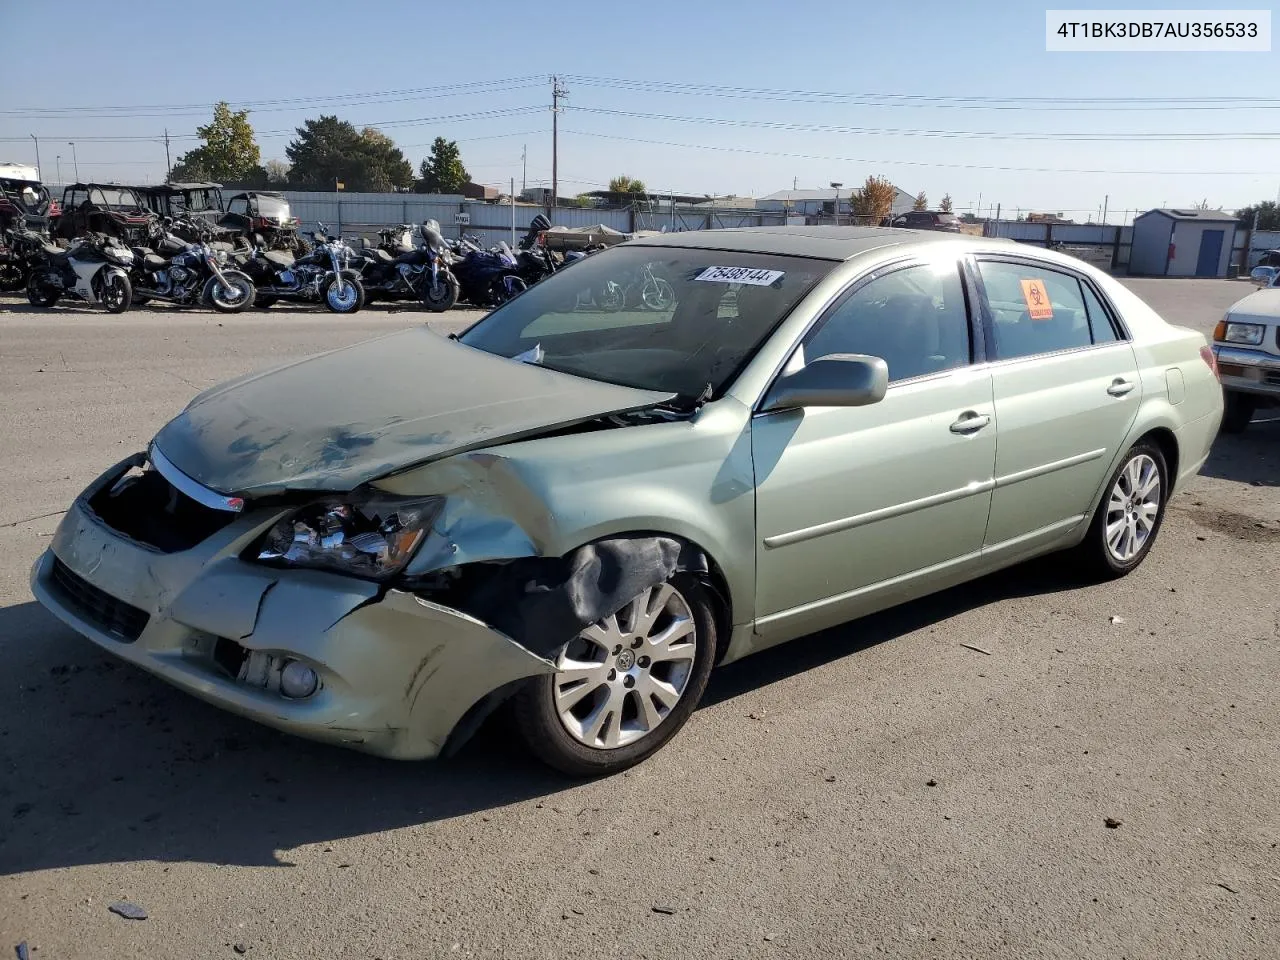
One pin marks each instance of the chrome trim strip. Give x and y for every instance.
(197, 492)
(871, 516)
(1040, 471)
(1246, 357)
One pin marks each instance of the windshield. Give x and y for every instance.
(660, 318)
(273, 207)
(115, 198)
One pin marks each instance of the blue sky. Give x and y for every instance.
(239, 52)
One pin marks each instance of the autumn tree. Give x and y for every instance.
(328, 150)
(874, 201)
(625, 184)
(922, 202)
(277, 171)
(945, 206)
(442, 171)
(229, 153)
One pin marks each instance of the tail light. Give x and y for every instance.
(1208, 356)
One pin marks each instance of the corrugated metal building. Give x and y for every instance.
(1182, 243)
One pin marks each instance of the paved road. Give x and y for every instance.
(874, 790)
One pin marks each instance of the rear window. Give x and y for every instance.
(1034, 310)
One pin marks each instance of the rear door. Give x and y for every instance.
(1066, 389)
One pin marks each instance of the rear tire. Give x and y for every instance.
(1237, 410)
(13, 276)
(1126, 523)
(38, 295)
(545, 723)
(344, 294)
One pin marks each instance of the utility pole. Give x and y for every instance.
(168, 164)
(524, 168)
(557, 94)
(72, 145)
(1106, 202)
(34, 137)
(58, 159)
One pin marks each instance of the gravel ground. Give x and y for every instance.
(879, 789)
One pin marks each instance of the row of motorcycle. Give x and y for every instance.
(186, 263)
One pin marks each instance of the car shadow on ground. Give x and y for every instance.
(1252, 457)
(104, 763)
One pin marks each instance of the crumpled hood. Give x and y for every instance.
(340, 419)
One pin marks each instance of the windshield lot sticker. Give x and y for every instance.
(747, 275)
(1037, 299)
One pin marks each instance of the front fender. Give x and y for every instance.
(691, 480)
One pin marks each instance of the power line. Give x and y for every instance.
(926, 163)
(942, 134)
(292, 103)
(263, 134)
(926, 100)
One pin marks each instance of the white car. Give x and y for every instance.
(1247, 345)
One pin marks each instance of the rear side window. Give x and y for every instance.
(1099, 322)
(1034, 310)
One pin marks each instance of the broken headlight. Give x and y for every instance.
(371, 536)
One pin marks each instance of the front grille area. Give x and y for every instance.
(147, 508)
(113, 616)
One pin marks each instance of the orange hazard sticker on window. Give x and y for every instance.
(1037, 299)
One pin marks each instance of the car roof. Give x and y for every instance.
(822, 243)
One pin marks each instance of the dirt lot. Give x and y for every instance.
(878, 790)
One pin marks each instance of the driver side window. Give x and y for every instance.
(915, 319)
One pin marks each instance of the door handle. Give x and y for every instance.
(1119, 387)
(970, 422)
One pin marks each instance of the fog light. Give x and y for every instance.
(298, 681)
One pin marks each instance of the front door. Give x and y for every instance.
(854, 505)
(1210, 253)
(1066, 392)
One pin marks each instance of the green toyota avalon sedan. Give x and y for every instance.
(663, 458)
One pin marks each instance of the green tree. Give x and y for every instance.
(229, 153)
(442, 171)
(874, 201)
(328, 150)
(945, 206)
(624, 184)
(1268, 212)
(922, 202)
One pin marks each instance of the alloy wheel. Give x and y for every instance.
(1133, 508)
(621, 677)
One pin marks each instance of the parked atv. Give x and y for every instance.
(265, 215)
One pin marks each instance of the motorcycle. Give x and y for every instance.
(439, 286)
(94, 270)
(20, 250)
(323, 274)
(395, 268)
(185, 272)
(486, 278)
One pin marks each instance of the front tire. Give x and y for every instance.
(232, 298)
(1126, 523)
(13, 276)
(443, 297)
(1237, 410)
(625, 685)
(345, 294)
(117, 293)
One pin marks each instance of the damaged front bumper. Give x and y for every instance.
(396, 672)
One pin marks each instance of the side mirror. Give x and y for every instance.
(836, 380)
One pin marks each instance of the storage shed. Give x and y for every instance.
(1182, 243)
